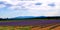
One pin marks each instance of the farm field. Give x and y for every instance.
(48, 27)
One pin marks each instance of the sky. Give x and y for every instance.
(15, 8)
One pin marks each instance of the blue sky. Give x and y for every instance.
(10, 10)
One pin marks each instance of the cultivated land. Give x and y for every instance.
(48, 27)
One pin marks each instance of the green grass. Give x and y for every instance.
(14, 28)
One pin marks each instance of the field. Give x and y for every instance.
(48, 27)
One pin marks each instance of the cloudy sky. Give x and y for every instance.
(15, 8)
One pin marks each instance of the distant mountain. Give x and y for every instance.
(23, 17)
(26, 17)
(29, 17)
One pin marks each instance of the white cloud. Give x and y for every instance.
(33, 10)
